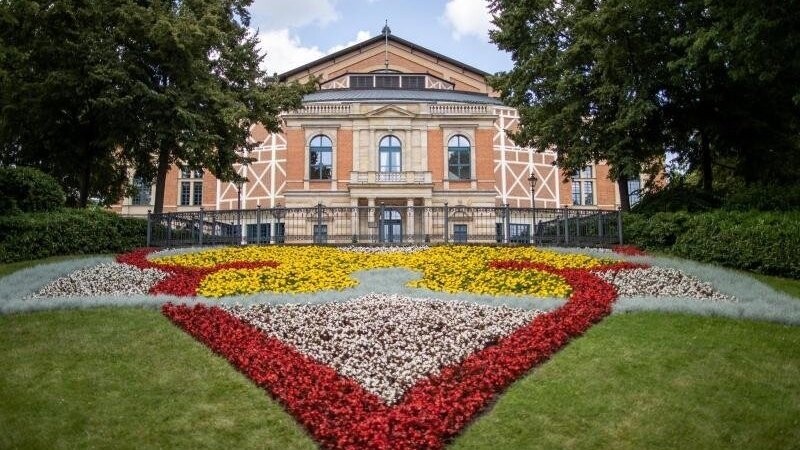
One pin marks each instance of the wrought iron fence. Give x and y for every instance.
(386, 225)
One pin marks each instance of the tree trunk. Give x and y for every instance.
(161, 179)
(624, 195)
(705, 164)
(86, 176)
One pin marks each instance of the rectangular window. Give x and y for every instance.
(186, 189)
(320, 234)
(583, 186)
(387, 81)
(280, 233)
(142, 194)
(459, 232)
(634, 190)
(256, 234)
(520, 233)
(413, 82)
(197, 193)
(361, 82)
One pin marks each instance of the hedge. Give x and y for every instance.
(67, 232)
(25, 189)
(764, 242)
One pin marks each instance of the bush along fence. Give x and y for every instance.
(386, 225)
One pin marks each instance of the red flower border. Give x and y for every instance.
(182, 281)
(340, 414)
(630, 250)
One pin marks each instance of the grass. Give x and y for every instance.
(787, 285)
(9, 268)
(654, 381)
(128, 378)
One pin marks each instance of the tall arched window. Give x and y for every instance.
(458, 156)
(389, 155)
(320, 158)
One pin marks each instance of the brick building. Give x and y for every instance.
(393, 124)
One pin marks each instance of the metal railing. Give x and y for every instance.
(386, 224)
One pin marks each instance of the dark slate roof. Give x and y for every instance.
(398, 95)
(380, 38)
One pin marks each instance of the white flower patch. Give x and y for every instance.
(661, 282)
(103, 279)
(389, 249)
(386, 342)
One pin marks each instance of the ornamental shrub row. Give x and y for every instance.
(764, 242)
(66, 232)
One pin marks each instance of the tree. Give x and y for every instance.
(63, 93)
(625, 80)
(200, 87)
(585, 81)
(90, 90)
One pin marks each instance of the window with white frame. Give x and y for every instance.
(458, 158)
(583, 186)
(142, 193)
(634, 190)
(191, 187)
(389, 155)
(320, 158)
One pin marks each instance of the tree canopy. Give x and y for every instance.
(93, 89)
(625, 81)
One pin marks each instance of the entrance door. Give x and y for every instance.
(392, 226)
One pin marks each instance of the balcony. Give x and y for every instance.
(409, 177)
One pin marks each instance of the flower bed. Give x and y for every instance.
(339, 413)
(304, 269)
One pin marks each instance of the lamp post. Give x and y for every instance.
(239, 210)
(532, 180)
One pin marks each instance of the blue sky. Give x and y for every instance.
(295, 32)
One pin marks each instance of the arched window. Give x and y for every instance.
(389, 155)
(458, 156)
(320, 158)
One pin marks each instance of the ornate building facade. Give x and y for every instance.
(392, 124)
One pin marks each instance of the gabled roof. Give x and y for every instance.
(381, 38)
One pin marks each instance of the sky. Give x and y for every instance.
(295, 32)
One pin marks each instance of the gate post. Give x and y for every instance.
(381, 236)
(446, 223)
(318, 232)
(619, 225)
(566, 226)
(507, 224)
(258, 224)
(200, 226)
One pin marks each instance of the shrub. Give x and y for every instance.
(678, 196)
(765, 242)
(25, 189)
(763, 198)
(66, 232)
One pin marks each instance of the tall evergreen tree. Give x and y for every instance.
(199, 87)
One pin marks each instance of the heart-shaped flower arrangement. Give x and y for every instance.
(361, 389)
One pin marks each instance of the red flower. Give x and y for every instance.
(182, 281)
(341, 414)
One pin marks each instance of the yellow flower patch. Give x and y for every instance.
(305, 269)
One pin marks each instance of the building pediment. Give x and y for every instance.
(390, 112)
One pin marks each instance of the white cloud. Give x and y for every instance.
(284, 51)
(468, 17)
(361, 36)
(279, 14)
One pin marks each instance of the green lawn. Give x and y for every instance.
(788, 285)
(128, 378)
